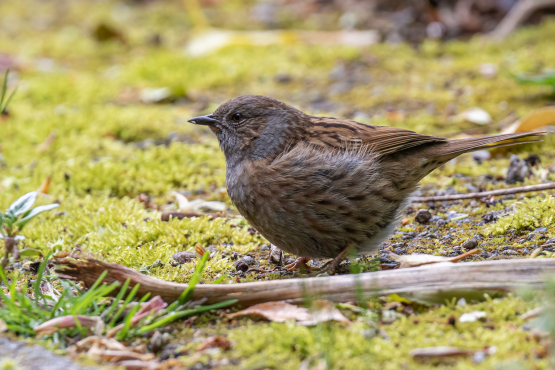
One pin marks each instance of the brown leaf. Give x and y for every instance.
(215, 342)
(419, 259)
(138, 365)
(534, 121)
(112, 355)
(87, 343)
(199, 250)
(321, 311)
(52, 326)
(109, 349)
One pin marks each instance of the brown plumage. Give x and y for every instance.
(314, 186)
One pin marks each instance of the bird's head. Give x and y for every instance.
(254, 127)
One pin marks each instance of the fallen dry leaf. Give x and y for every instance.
(109, 349)
(440, 352)
(52, 326)
(138, 364)
(94, 340)
(321, 311)
(182, 200)
(199, 251)
(112, 355)
(534, 121)
(215, 342)
(419, 259)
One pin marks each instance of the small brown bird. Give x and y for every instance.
(318, 186)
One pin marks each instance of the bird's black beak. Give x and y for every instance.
(207, 120)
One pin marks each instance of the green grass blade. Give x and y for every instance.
(125, 303)
(220, 279)
(118, 298)
(4, 88)
(9, 100)
(85, 301)
(42, 267)
(186, 295)
(123, 332)
(176, 315)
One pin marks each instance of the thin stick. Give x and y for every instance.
(518, 14)
(427, 284)
(484, 194)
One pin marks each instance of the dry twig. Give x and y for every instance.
(426, 284)
(485, 194)
(518, 14)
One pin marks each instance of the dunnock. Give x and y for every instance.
(318, 186)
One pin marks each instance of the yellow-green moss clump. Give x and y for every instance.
(529, 214)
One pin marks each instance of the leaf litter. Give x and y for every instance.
(320, 311)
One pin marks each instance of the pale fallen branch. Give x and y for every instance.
(485, 194)
(426, 284)
(518, 14)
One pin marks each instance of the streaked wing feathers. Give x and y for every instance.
(344, 134)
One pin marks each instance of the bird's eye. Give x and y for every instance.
(237, 117)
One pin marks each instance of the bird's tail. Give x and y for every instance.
(453, 148)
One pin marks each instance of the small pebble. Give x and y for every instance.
(440, 223)
(423, 216)
(399, 251)
(248, 260)
(469, 244)
(241, 265)
(183, 257)
(478, 357)
(156, 342)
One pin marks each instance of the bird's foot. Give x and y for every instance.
(300, 264)
(331, 267)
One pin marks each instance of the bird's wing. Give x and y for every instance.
(382, 140)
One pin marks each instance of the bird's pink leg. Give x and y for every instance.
(300, 264)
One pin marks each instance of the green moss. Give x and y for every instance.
(359, 346)
(529, 214)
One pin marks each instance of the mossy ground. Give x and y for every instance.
(112, 151)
